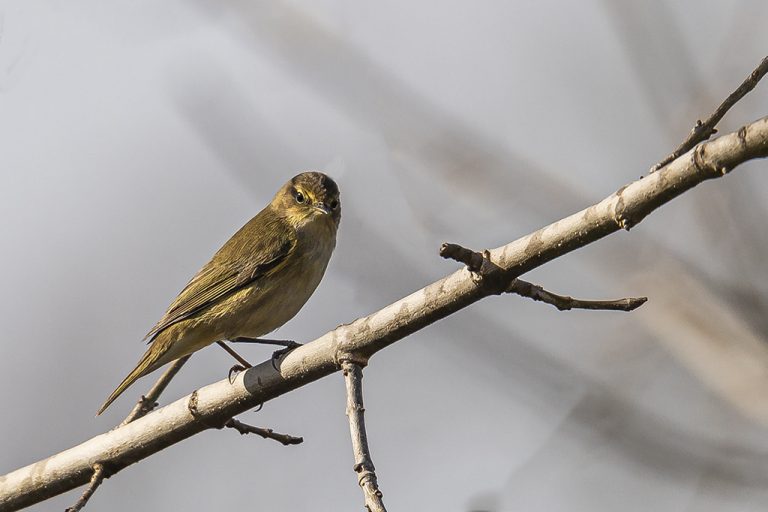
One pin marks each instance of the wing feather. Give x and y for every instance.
(253, 252)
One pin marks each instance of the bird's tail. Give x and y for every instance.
(147, 364)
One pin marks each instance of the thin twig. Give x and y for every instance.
(564, 302)
(366, 472)
(96, 479)
(266, 433)
(481, 264)
(703, 131)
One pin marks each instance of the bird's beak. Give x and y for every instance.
(322, 207)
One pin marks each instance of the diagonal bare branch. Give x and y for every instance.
(216, 403)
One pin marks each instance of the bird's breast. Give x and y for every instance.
(276, 298)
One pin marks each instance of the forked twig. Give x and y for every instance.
(481, 265)
(703, 131)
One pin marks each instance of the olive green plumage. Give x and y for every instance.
(256, 282)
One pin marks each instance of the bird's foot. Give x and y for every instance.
(234, 371)
(277, 355)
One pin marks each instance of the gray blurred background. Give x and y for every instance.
(137, 136)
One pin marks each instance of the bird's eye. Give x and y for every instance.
(299, 197)
(334, 204)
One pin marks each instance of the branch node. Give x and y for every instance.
(708, 168)
(484, 272)
(146, 405)
(620, 214)
(742, 136)
(473, 260)
(98, 476)
(344, 357)
(192, 407)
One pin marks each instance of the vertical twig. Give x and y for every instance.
(366, 473)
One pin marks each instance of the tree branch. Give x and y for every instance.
(366, 472)
(216, 403)
(703, 131)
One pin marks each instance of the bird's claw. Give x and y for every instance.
(279, 354)
(234, 371)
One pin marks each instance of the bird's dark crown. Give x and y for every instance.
(320, 185)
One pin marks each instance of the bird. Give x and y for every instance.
(256, 282)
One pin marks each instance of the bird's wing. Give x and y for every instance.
(242, 260)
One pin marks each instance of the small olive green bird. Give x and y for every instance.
(256, 282)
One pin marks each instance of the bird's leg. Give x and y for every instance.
(234, 354)
(277, 354)
(266, 341)
(243, 364)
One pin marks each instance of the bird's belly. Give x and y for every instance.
(264, 310)
(269, 303)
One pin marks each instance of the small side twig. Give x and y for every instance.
(266, 433)
(96, 479)
(480, 264)
(366, 472)
(473, 260)
(564, 303)
(704, 130)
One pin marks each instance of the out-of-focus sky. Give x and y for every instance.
(137, 136)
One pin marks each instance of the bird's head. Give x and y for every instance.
(309, 197)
